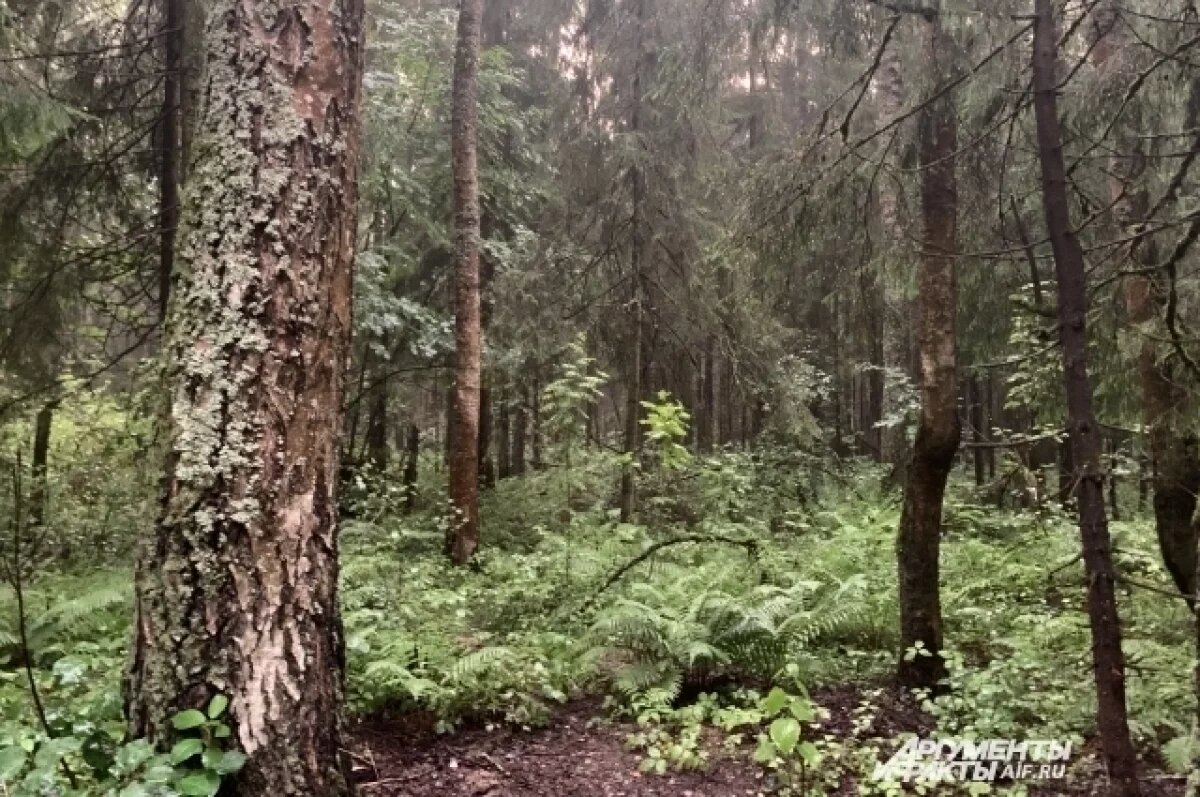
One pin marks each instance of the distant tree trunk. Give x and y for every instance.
(706, 414)
(520, 427)
(377, 427)
(975, 402)
(39, 493)
(487, 465)
(1108, 660)
(169, 147)
(463, 535)
(504, 440)
(636, 365)
(939, 428)
(236, 590)
(412, 457)
(535, 425)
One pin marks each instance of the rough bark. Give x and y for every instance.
(236, 590)
(1108, 659)
(463, 535)
(939, 428)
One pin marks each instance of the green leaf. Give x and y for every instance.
(188, 719)
(785, 732)
(199, 784)
(224, 763)
(808, 752)
(766, 751)
(775, 701)
(217, 706)
(222, 731)
(185, 749)
(12, 761)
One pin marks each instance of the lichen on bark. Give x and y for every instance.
(237, 588)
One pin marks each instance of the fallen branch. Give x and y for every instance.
(751, 547)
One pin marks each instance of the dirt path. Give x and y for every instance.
(573, 757)
(577, 755)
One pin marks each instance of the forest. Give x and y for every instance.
(599, 398)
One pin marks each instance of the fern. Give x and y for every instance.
(686, 633)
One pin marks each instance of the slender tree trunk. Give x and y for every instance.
(463, 535)
(487, 465)
(412, 458)
(1108, 660)
(39, 493)
(504, 440)
(978, 435)
(377, 427)
(939, 428)
(707, 411)
(636, 365)
(169, 147)
(520, 426)
(897, 311)
(236, 591)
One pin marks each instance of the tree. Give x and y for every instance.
(237, 588)
(938, 431)
(463, 535)
(1174, 448)
(1108, 660)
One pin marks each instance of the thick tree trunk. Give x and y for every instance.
(1108, 660)
(237, 589)
(939, 428)
(463, 535)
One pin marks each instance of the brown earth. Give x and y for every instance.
(579, 754)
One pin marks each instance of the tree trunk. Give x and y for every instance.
(236, 591)
(636, 364)
(487, 465)
(377, 427)
(1108, 660)
(412, 455)
(894, 322)
(978, 433)
(939, 428)
(39, 494)
(504, 440)
(1173, 447)
(520, 426)
(169, 147)
(463, 535)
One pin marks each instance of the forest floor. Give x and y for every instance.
(583, 753)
